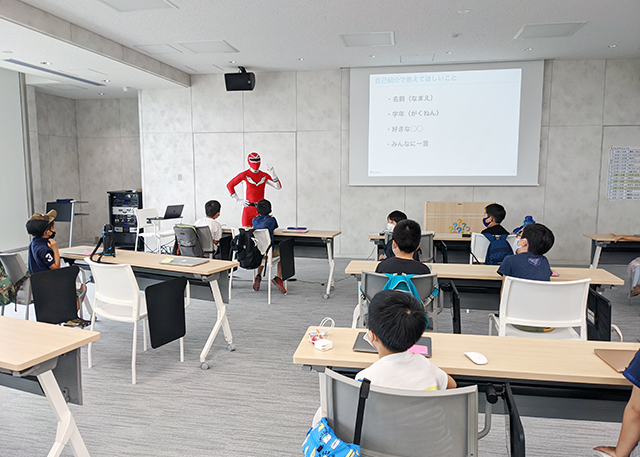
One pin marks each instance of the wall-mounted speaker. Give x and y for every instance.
(240, 81)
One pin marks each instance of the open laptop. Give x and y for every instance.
(173, 212)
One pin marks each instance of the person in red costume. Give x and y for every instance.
(254, 180)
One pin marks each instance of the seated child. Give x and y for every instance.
(494, 214)
(405, 241)
(264, 220)
(632, 270)
(212, 211)
(43, 249)
(392, 219)
(529, 261)
(396, 322)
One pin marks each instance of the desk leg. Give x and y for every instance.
(596, 253)
(221, 321)
(67, 430)
(332, 267)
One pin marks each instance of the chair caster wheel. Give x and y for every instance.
(204, 366)
(231, 347)
(325, 296)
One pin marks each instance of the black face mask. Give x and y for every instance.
(52, 236)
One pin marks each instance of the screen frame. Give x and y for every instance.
(529, 134)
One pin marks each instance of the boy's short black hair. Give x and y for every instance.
(397, 318)
(211, 208)
(407, 234)
(264, 207)
(396, 216)
(539, 237)
(496, 211)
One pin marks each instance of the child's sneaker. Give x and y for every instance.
(256, 283)
(279, 283)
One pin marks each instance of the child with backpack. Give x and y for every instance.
(405, 242)
(264, 220)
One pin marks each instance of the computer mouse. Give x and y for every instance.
(476, 357)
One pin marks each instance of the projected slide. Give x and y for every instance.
(452, 123)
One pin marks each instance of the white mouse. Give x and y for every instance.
(476, 357)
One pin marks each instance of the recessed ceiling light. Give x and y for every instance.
(613, 45)
(7, 52)
(371, 56)
(301, 59)
(368, 39)
(448, 53)
(554, 30)
(528, 49)
(101, 93)
(455, 35)
(106, 80)
(463, 11)
(232, 61)
(45, 63)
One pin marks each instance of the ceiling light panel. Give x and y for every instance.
(157, 49)
(548, 30)
(127, 6)
(209, 47)
(368, 39)
(421, 58)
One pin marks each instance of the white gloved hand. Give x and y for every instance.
(239, 200)
(272, 173)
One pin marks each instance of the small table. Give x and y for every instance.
(212, 272)
(30, 348)
(600, 241)
(546, 375)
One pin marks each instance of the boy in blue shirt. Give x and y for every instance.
(43, 249)
(264, 220)
(529, 261)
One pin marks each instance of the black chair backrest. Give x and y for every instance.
(598, 317)
(287, 259)
(165, 311)
(187, 238)
(516, 430)
(54, 295)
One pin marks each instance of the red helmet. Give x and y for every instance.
(254, 161)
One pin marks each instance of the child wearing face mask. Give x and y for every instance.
(43, 249)
(494, 214)
(392, 220)
(529, 261)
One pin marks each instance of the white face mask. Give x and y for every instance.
(390, 227)
(514, 246)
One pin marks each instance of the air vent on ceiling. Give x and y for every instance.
(368, 39)
(557, 30)
(52, 72)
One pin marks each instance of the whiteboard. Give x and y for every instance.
(13, 182)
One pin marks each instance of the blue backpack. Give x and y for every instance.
(499, 248)
(403, 283)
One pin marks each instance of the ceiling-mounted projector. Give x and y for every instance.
(240, 81)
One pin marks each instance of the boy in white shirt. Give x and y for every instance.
(212, 210)
(396, 322)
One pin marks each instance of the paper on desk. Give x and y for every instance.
(167, 260)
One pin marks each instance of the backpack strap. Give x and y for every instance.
(362, 398)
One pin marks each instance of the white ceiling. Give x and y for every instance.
(274, 35)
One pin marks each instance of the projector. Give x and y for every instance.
(240, 81)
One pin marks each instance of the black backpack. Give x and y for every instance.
(246, 249)
(499, 248)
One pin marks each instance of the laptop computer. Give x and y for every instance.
(184, 261)
(173, 212)
(362, 345)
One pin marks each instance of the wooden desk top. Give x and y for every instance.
(509, 357)
(600, 237)
(150, 260)
(489, 272)
(307, 234)
(436, 237)
(24, 344)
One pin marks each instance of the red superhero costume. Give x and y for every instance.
(254, 180)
